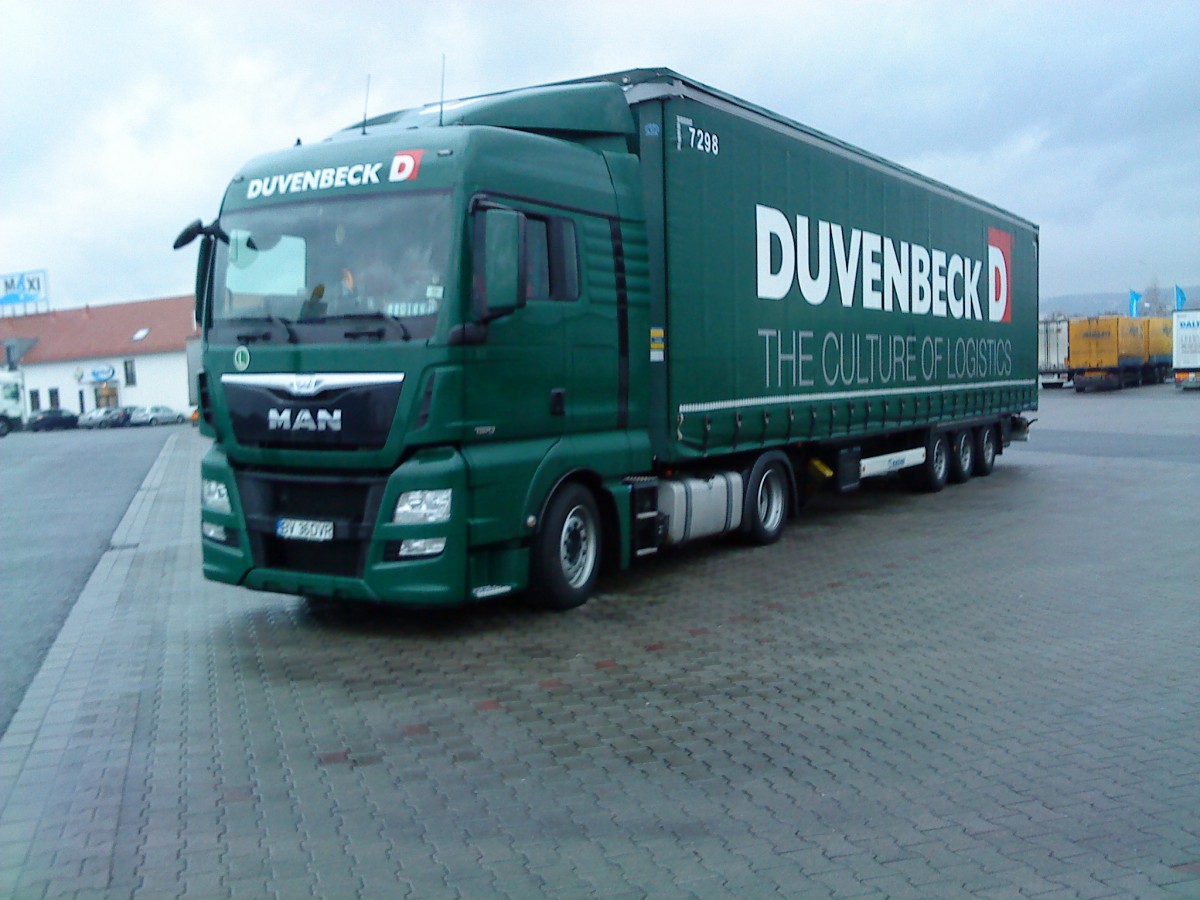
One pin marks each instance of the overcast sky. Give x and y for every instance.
(120, 122)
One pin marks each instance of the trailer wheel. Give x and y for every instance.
(934, 472)
(565, 558)
(962, 456)
(985, 450)
(765, 512)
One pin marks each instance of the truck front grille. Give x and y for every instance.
(351, 503)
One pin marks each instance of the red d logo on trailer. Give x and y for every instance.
(999, 282)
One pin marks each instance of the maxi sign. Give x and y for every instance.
(24, 287)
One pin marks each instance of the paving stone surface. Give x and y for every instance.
(992, 691)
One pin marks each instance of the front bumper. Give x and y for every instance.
(362, 559)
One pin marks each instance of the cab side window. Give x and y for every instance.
(551, 259)
(537, 259)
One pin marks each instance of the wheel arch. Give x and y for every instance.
(606, 504)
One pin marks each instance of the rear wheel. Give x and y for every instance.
(985, 450)
(934, 472)
(566, 552)
(962, 456)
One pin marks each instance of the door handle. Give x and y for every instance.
(558, 402)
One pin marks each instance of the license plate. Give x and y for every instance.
(304, 530)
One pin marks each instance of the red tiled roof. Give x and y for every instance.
(96, 331)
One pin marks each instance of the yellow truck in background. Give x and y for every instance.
(1159, 331)
(1111, 352)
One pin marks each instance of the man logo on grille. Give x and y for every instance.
(304, 420)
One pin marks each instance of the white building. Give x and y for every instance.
(126, 354)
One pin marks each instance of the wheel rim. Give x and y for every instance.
(577, 546)
(989, 447)
(965, 454)
(941, 459)
(771, 500)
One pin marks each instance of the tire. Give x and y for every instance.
(962, 456)
(565, 558)
(765, 508)
(935, 471)
(985, 450)
(3, 426)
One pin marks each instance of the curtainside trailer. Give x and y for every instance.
(486, 346)
(1106, 352)
(1157, 333)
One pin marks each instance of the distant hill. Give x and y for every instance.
(1071, 305)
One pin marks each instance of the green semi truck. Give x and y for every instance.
(493, 345)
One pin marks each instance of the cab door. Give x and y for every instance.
(516, 358)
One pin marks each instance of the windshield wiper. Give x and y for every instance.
(377, 333)
(266, 335)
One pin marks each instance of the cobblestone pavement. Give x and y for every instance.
(992, 691)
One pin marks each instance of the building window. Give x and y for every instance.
(54, 398)
(35, 400)
(130, 373)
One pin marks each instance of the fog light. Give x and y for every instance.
(418, 547)
(214, 532)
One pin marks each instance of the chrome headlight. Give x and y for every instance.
(423, 507)
(214, 495)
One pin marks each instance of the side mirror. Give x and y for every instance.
(189, 234)
(203, 268)
(503, 264)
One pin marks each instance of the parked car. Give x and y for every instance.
(104, 417)
(155, 415)
(53, 420)
(92, 418)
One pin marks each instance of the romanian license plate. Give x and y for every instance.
(304, 530)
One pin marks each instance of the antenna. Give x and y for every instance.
(365, 99)
(442, 98)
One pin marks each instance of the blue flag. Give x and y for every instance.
(1134, 297)
(1180, 297)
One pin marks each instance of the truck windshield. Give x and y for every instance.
(315, 268)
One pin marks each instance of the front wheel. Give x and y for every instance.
(566, 552)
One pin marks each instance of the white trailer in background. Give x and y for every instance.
(11, 406)
(1052, 352)
(1185, 348)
